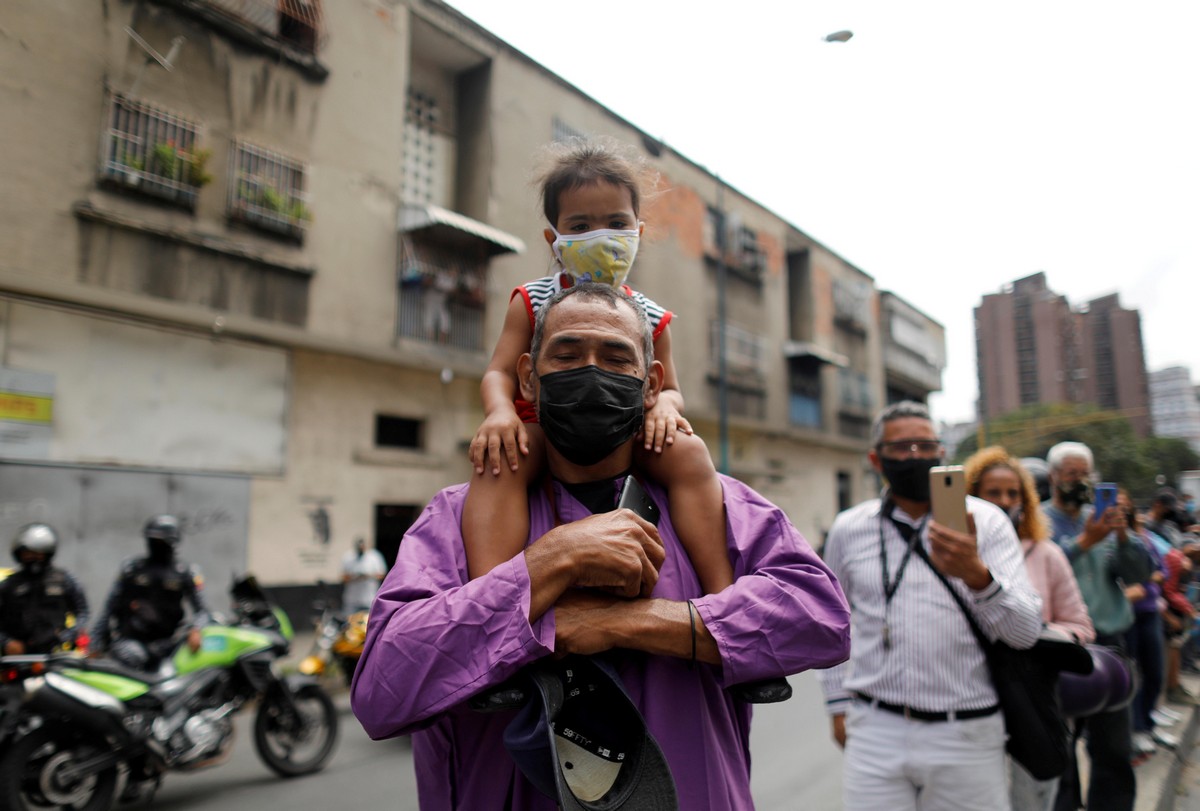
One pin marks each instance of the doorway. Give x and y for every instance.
(391, 522)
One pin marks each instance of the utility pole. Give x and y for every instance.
(722, 375)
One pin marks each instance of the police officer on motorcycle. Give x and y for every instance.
(145, 609)
(42, 607)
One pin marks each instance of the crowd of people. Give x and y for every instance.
(694, 616)
(1117, 578)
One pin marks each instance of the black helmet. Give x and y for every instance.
(163, 528)
(1040, 472)
(39, 538)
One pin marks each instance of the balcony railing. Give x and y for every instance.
(442, 306)
(153, 152)
(299, 23)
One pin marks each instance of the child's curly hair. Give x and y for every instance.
(1033, 525)
(576, 162)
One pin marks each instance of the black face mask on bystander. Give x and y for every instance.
(1075, 494)
(908, 478)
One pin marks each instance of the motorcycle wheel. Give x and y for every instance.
(30, 774)
(296, 743)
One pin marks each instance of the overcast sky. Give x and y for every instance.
(947, 149)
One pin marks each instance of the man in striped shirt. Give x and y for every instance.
(914, 707)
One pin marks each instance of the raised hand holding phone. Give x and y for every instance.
(948, 497)
(1106, 496)
(952, 546)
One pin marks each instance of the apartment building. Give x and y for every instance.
(914, 351)
(1033, 347)
(257, 253)
(1175, 405)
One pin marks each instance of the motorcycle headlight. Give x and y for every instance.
(311, 666)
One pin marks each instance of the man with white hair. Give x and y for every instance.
(1104, 558)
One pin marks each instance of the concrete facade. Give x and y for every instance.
(309, 311)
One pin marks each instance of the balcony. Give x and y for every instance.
(292, 31)
(441, 305)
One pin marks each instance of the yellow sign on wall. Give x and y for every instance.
(26, 408)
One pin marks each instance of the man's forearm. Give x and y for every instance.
(663, 628)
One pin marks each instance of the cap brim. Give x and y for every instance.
(585, 781)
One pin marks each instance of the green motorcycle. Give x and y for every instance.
(87, 730)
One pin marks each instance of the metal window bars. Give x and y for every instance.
(299, 23)
(151, 150)
(266, 190)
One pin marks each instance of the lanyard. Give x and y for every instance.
(912, 535)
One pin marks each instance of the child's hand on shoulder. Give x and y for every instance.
(660, 425)
(501, 440)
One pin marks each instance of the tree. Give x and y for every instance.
(1119, 454)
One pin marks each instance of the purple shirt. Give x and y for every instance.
(435, 639)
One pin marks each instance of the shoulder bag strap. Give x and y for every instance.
(980, 636)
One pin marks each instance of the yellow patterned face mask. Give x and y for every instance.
(603, 256)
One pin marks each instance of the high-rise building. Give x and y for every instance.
(1175, 405)
(1033, 347)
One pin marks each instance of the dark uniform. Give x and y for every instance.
(145, 608)
(34, 609)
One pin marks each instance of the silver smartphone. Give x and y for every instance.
(948, 497)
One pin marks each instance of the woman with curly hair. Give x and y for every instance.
(993, 475)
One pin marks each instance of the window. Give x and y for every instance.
(855, 390)
(564, 132)
(804, 395)
(266, 190)
(852, 304)
(744, 350)
(398, 432)
(743, 257)
(421, 171)
(153, 152)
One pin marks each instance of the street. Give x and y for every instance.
(795, 766)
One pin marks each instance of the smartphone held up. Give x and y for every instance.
(948, 497)
(1106, 496)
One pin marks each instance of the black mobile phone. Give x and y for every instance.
(635, 497)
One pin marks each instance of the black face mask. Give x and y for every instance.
(1074, 494)
(588, 413)
(35, 568)
(908, 478)
(161, 552)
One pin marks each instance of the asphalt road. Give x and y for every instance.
(795, 766)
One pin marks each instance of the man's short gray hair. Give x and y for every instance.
(896, 411)
(1069, 450)
(595, 292)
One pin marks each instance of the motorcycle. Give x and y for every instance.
(86, 730)
(338, 643)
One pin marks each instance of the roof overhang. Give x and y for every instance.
(450, 226)
(811, 351)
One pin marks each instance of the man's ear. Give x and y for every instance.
(653, 386)
(525, 376)
(874, 458)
